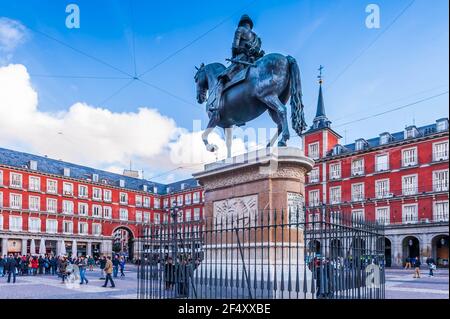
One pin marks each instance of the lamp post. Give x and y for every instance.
(174, 211)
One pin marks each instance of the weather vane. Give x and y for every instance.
(320, 74)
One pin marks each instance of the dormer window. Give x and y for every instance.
(337, 149)
(67, 172)
(442, 125)
(411, 132)
(33, 165)
(385, 138)
(144, 188)
(155, 189)
(95, 178)
(122, 183)
(360, 144)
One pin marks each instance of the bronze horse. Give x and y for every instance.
(268, 86)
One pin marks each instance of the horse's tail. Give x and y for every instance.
(297, 116)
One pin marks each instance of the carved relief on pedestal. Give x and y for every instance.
(236, 212)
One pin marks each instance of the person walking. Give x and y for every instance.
(416, 267)
(63, 268)
(11, 268)
(91, 263)
(53, 265)
(431, 266)
(34, 265)
(108, 270)
(122, 266)
(115, 263)
(408, 263)
(82, 265)
(102, 265)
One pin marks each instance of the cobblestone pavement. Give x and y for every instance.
(400, 284)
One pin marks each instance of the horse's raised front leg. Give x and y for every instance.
(275, 105)
(211, 125)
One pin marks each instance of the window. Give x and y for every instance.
(1, 222)
(440, 181)
(107, 195)
(314, 175)
(173, 201)
(440, 211)
(409, 157)
(156, 203)
(411, 132)
(188, 214)
(138, 201)
(358, 214)
(82, 228)
(138, 216)
(360, 145)
(147, 202)
(34, 203)
(122, 183)
(180, 216)
(1, 199)
(409, 213)
(15, 223)
(67, 227)
(382, 188)
(313, 150)
(96, 211)
(165, 218)
(409, 185)
(68, 189)
(52, 205)
(1, 178)
(15, 180)
(96, 229)
(196, 197)
(385, 138)
(146, 217)
(335, 171)
(96, 193)
(382, 215)
(314, 198)
(124, 198)
(82, 191)
(188, 199)
(34, 183)
(15, 201)
(180, 200)
(107, 212)
(83, 209)
(358, 167)
(381, 163)
(123, 214)
(34, 224)
(358, 192)
(95, 178)
(440, 151)
(197, 212)
(67, 207)
(51, 226)
(156, 218)
(52, 186)
(442, 125)
(335, 195)
(166, 202)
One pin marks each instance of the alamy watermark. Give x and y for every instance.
(373, 20)
(73, 17)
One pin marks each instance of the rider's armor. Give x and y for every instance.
(246, 47)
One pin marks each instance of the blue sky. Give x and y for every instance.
(408, 62)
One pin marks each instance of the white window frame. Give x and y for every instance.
(98, 196)
(107, 212)
(440, 185)
(439, 154)
(51, 230)
(335, 195)
(335, 170)
(1, 222)
(381, 167)
(440, 214)
(67, 189)
(50, 189)
(13, 226)
(138, 200)
(197, 213)
(314, 200)
(68, 207)
(123, 214)
(99, 210)
(80, 230)
(15, 180)
(358, 214)
(107, 195)
(37, 205)
(1, 178)
(314, 175)
(410, 218)
(409, 160)
(138, 215)
(82, 194)
(314, 150)
(15, 201)
(358, 170)
(34, 186)
(53, 200)
(123, 198)
(147, 202)
(156, 218)
(1, 199)
(358, 196)
(156, 203)
(410, 190)
(383, 215)
(179, 200)
(96, 229)
(146, 217)
(86, 209)
(70, 230)
(384, 192)
(31, 222)
(187, 199)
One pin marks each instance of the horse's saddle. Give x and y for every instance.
(238, 78)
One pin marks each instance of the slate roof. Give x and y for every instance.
(56, 167)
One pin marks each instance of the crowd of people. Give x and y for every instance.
(12, 266)
(415, 263)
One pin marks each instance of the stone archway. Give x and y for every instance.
(123, 242)
(410, 247)
(439, 248)
(314, 247)
(387, 251)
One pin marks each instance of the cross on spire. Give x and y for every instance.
(320, 74)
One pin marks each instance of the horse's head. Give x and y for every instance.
(201, 80)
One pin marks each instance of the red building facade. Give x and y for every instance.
(45, 204)
(397, 179)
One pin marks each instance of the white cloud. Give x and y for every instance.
(12, 34)
(97, 137)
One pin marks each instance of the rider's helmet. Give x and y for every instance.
(245, 19)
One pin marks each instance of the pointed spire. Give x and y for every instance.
(321, 120)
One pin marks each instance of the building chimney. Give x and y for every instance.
(131, 173)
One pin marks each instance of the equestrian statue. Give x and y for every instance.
(253, 83)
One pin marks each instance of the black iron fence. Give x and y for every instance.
(263, 255)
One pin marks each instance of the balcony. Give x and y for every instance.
(381, 168)
(357, 172)
(440, 156)
(358, 197)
